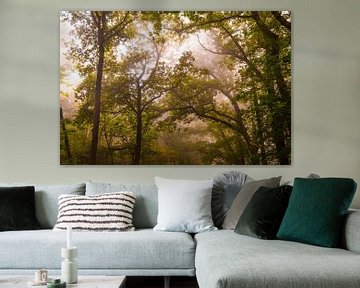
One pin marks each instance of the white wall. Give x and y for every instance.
(325, 92)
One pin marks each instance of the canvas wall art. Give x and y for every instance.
(175, 88)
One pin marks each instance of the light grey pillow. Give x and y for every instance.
(243, 198)
(46, 200)
(146, 204)
(184, 205)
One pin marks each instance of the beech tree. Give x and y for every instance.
(138, 84)
(259, 53)
(98, 32)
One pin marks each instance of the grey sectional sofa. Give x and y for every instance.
(219, 259)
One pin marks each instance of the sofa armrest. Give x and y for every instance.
(351, 233)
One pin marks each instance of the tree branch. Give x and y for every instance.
(184, 29)
(153, 71)
(281, 20)
(243, 57)
(95, 17)
(265, 29)
(211, 51)
(138, 78)
(120, 26)
(147, 103)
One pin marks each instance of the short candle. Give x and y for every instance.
(69, 235)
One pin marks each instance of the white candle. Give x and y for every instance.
(69, 237)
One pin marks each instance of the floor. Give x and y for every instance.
(158, 282)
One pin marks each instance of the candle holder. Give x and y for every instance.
(69, 271)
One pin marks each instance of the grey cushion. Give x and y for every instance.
(243, 198)
(146, 204)
(184, 205)
(247, 262)
(226, 187)
(144, 249)
(46, 200)
(351, 231)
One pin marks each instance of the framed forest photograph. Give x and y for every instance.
(175, 88)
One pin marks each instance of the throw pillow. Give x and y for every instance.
(46, 200)
(243, 198)
(226, 187)
(146, 205)
(184, 205)
(316, 211)
(17, 208)
(263, 215)
(106, 212)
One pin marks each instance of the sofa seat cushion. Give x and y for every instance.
(141, 249)
(225, 259)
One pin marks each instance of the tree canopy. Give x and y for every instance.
(188, 87)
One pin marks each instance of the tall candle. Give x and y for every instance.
(69, 237)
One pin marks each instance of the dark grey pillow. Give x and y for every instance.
(243, 198)
(263, 214)
(17, 209)
(226, 187)
(46, 200)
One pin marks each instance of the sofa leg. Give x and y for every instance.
(167, 282)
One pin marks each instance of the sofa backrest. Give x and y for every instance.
(146, 203)
(46, 200)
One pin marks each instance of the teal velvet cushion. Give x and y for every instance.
(263, 215)
(17, 208)
(316, 211)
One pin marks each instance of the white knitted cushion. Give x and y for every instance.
(105, 212)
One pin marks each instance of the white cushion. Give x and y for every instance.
(105, 212)
(184, 205)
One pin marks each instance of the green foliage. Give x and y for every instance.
(224, 100)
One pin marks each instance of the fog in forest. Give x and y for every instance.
(180, 88)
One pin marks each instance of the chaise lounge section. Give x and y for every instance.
(225, 259)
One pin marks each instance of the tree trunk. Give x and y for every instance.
(108, 145)
(137, 156)
(243, 131)
(282, 152)
(97, 100)
(66, 139)
(281, 122)
(259, 129)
